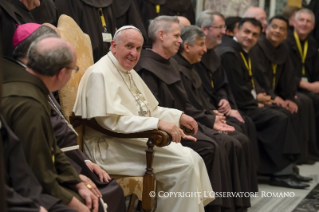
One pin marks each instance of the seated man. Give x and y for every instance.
(111, 92)
(273, 69)
(303, 50)
(278, 146)
(91, 174)
(27, 112)
(231, 24)
(162, 75)
(23, 191)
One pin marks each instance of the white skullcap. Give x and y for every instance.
(126, 27)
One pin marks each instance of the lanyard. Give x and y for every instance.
(158, 8)
(274, 69)
(303, 53)
(211, 80)
(248, 66)
(102, 20)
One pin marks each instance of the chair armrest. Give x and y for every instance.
(158, 137)
(187, 131)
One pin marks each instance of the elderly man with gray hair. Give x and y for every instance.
(112, 92)
(304, 55)
(27, 112)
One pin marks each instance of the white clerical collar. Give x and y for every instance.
(21, 64)
(116, 63)
(235, 39)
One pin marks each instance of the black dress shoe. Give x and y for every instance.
(287, 181)
(300, 178)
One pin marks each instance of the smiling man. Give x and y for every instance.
(274, 72)
(215, 85)
(190, 53)
(304, 55)
(27, 112)
(112, 92)
(221, 153)
(278, 147)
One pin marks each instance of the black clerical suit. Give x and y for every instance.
(278, 147)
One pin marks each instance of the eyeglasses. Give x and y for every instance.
(218, 27)
(76, 68)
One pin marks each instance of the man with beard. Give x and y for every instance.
(274, 72)
(278, 147)
(304, 55)
(161, 73)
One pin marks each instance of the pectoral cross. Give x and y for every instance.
(142, 112)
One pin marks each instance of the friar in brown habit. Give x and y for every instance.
(90, 173)
(24, 103)
(23, 191)
(278, 146)
(273, 69)
(214, 79)
(161, 73)
(189, 54)
(305, 58)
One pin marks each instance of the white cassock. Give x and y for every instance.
(120, 101)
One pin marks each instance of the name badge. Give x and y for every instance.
(107, 37)
(305, 79)
(253, 92)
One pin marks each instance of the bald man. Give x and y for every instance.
(51, 61)
(259, 14)
(183, 21)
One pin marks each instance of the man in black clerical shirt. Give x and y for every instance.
(278, 146)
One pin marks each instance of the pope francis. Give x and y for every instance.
(113, 93)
